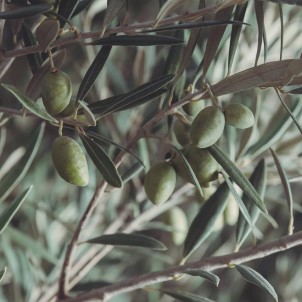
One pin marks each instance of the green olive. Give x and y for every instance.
(70, 161)
(193, 108)
(207, 127)
(239, 116)
(178, 221)
(160, 182)
(70, 109)
(182, 132)
(56, 91)
(201, 161)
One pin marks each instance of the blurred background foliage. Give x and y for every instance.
(33, 246)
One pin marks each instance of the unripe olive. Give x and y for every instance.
(179, 223)
(182, 132)
(207, 127)
(202, 163)
(193, 108)
(160, 182)
(56, 91)
(70, 109)
(239, 116)
(70, 161)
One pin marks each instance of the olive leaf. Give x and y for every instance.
(204, 274)
(292, 2)
(123, 239)
(135, 97)
(137, 40)
(26, 11)
(204, 221)
(93, 72)
(66, 10)
(287, 190)
(237, 176)
(14, 176)
(28, 103)
(2, 273)
(47, 32)
(132, 172)
(185, 296)
(259, 11)
(7, 215)
(102, 162)
(88, 114)
(258, 180)
(254, 277)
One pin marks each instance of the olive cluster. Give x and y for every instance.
(67, 155)
(206, 128)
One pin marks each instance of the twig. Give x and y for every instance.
(208, 264)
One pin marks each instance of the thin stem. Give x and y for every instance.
(208, 264)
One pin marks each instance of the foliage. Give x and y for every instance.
(131, 71)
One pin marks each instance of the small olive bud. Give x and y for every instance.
(160, 182)
(207, 127)
(56, 91)
(70, 162)
(182, 132)
(239, 116)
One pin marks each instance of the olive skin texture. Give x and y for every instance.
(239, 116)
(160, 182)
(56, 91)
(182, 132)
(201, 161)
(207, 127)
(70, 162)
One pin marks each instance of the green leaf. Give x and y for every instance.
(259, 11)
(123, 239)
(14, 176)
(29, 104)
(185, 296)
(25, 11)
(102, 162)
(204, 221)
(237, 176)
(240, 203)
(88, 114)
(93, 72)
(254, 277)
(2, 274)
(132, 172)
(204, 274)
(66, 10)
(258, 180)
(138, 40)
(133, 98)
(11, 210)
(287, 190)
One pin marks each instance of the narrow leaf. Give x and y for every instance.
(185, 296)
(258, 180)
(287, 190)
(28, 103)
(132, 172)
(47, 32)
(66, 10)
(88, 114)
(138, 40)
(259, 11)
(254, 277)
(102, 162)
(2, 274)
(11, 210)
(204, 221)
(237, 176)
(14, 176)
(204, 274)
(25, 11)
(292, 2)
(240, 203)
(93, 72)
(123, 239)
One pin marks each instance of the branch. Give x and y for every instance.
(208, 264)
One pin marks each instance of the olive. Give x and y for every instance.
(70, 109)
(70, 162)
(193, 108)
(160, 182)
(182, 132)
(178, 221)
(56, 91)
(239, 116)
(203, 164)
(207, 127)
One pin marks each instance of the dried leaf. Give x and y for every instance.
(123, 239)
